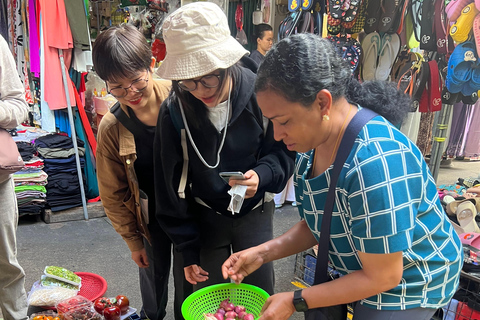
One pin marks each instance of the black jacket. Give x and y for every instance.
(246, 147)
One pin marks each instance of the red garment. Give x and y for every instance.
(86, 124)
(56, 35)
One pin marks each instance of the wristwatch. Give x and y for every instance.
(299, 303)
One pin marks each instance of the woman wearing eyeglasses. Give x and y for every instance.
(124, 60)
(224, 131)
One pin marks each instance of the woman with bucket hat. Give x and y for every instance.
(123, 59)
(212, 105)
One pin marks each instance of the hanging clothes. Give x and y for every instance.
(56, 35)
(34, 51)
(472, 143)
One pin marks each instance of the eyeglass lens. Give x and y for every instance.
(208, 81)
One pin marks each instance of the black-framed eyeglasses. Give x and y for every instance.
(137, 86)
(208, 81)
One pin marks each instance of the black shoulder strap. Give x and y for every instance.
(353, 128)
(127, 121)
(176, 117)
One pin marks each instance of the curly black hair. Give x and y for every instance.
(301, 65)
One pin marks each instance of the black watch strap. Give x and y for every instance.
(299, 303)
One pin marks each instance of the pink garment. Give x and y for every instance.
(57, 35)
(33, 38)
(472, 143)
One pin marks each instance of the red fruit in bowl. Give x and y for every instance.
(123, 303)
(112, 313)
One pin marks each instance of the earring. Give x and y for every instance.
(325, 117)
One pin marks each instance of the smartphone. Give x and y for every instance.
(232, 175)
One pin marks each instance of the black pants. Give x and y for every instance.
(222, 235)
(154, 279)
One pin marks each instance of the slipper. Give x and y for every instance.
(454, 8)
(360, 21)
(335, 19)
(471, 99)
(370, 46)
(416, 9)
(390, 9)
(460, 65)
(452, 206)
(351, 13)
(431, 99)
(471, 239)
(412, 41)
(388, 53)
(466, 213)
(428, 35)
(419, 86)
(334, 9)
(440, 27)
(448, 97)
(397, 25)
(353, 54)
(372, 15)
(404, 58)
(462, 27)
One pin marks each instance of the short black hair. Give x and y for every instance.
(121, 52)
(259, 30)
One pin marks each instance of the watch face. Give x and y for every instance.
(299, 303)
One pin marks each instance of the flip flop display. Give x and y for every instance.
(428, 35)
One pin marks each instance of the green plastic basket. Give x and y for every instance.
(207, 300)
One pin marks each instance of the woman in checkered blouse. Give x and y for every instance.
(390, 239)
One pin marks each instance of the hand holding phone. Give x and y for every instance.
(237, 175)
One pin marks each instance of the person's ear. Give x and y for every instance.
(152, 64)
(323, 102)
(258, 41)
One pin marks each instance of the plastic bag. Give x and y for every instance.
(41, 296)
(73, 303)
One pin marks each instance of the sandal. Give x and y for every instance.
(372, 15)
(466, 213)
(462, 27)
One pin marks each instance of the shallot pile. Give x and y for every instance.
(229, 311)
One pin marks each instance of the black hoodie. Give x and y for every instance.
(246, 147)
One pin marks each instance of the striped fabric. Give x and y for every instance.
(386, 201)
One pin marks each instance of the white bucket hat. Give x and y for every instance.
(198, 42)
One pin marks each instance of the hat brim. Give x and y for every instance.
(201, 62)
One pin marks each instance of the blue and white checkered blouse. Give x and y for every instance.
(386, 201)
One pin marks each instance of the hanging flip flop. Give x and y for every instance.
(370, 45)
(387, 55)
(428, 36)
(360, 21)
(416, 9)
(333, 20)
(390, 8)
(440, 27)
(372, 15)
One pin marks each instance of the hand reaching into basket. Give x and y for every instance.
(242, 263)
(195, 274)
